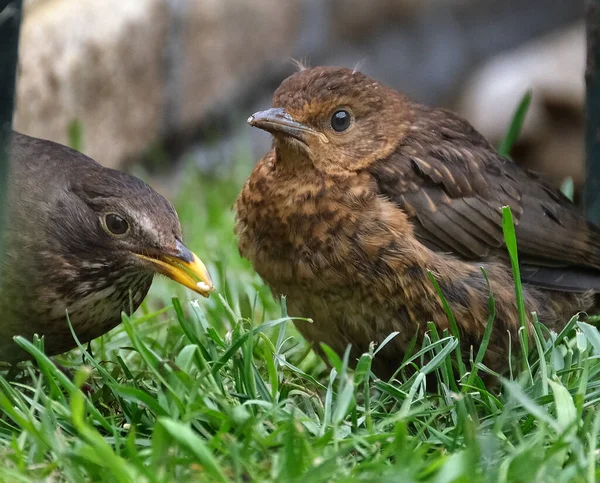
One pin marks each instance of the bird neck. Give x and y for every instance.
(80, 277)
(293, 157)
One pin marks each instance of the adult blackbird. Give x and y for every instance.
(84, 240)
(365, 191)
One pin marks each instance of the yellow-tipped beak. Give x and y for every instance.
(184, 268)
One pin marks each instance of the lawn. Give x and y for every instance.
(225, 389)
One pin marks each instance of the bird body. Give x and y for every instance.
(62, 258)
(365, 192)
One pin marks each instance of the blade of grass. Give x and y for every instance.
(486, 333)
(510, 238)
(453, 325)
(516, 125)
(194, 445)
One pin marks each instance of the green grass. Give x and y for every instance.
(516, 124)
(226, 390)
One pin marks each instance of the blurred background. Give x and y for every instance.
(169, 83)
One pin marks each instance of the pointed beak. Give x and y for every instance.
(277, 120)
(182, 266)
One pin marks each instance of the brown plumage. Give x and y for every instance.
(365, 191)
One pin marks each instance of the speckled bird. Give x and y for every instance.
(365, 191)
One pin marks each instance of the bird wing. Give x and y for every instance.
(452, 184)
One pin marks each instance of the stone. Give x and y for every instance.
(552, 67)
(552, 139)
(133, 71)
(99, 62)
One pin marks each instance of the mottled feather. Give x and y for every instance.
(348, 224)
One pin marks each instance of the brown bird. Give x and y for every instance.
(365, 191)
(84, 240)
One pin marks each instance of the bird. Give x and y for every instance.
(365, 194)
(83, 241)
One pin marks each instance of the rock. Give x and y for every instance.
(134, 70)
(98, 62)
(553, 68)
(28, 5)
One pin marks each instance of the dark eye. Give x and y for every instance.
(116, 224)
(340, 121)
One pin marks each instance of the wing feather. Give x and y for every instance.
(452, 184)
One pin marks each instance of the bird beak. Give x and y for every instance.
(277, 120)
(182, 266)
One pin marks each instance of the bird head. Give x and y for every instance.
(112, 221)
(338, 119)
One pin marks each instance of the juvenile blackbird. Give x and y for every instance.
(365, 191)
(84, 240)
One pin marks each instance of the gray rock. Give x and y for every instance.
(99, 62)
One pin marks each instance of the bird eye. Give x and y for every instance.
(340, 121)
(116, 224)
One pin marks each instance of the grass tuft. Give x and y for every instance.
(226, 390)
